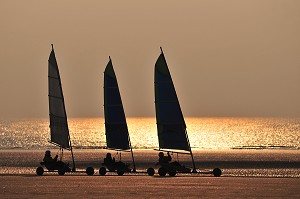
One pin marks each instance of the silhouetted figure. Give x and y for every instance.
(52, 163)
(112, 165)
(48, 158)
(164, 159)
(108, 160)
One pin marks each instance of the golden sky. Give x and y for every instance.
(227, 58)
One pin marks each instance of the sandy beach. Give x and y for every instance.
(269, 173)
(28, 186)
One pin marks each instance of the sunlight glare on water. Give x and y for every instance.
(222, 133)
(204, 133)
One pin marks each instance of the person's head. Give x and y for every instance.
(161, 154)
(47, 153)
(108, 155)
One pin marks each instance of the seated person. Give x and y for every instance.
(48, 158)
(52, 163)
(112, 165)
(164, 159)
(49, 162)
(108, 160)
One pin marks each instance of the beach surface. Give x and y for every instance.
(31, 186)
(246, 174)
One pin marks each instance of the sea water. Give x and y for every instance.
(203, 133)
(255, 147)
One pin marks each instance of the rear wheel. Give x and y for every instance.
(162, 171)
(90, 171)
(217, 172)
(150, 171)
(120, 172)
(39, 171)
(61, 172)
(102, 171)
(172, 172)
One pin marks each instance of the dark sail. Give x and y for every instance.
(117, 136)
(57, 112)
(171, 127)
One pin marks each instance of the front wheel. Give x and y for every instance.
(90, 171)
(172, 172)
(150, 171)
(162, 171)
(39, 171)
(102, 171)
(61, 172)
(120, 172)
(217, 172)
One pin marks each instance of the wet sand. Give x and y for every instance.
(18, 178)
(28, 186)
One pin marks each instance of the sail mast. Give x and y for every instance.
(71, 148)
(133, 162)
(194, 166)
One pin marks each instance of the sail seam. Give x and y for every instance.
(53, 77)
(51, 114)
(59, 145)
(55, 97)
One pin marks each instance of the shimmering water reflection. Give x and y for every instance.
(204, 133)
